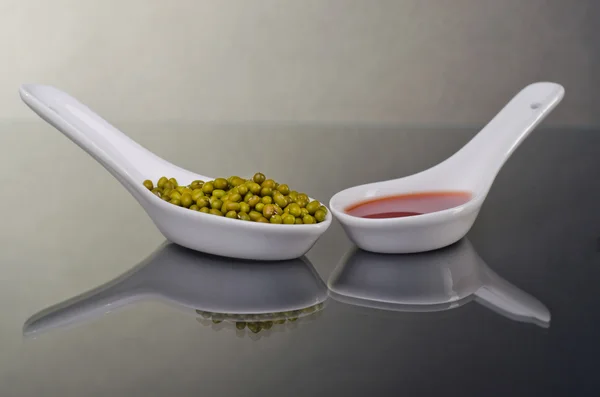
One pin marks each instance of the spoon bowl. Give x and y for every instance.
(131, 164)
(472, 169)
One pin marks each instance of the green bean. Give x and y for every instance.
(254, 188)
(295, 210)
(218, 193)
(220, 183)
(232, 206)
(208, 188)
(266, 191)
(275, 219)
(320, 215)
(270, 183)
(197, 193)
(268, 211)
(288, 219)
(258, 178)
(202, 202)
(308, 219)
(254, 200)
(186, 200)
(279, 200)
(215, 203)
(162, 182)
(254, 215)
(313, 206)
(242, 190)
(244, 207)
(196, 184)
(283, 189)
(237, 181)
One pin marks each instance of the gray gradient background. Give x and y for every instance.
(221, 87)
(407, 62)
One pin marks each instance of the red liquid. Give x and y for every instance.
(404, 205)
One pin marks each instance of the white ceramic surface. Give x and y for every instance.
(191, 281)
(131, 164)
(472, 169)
(438, 280)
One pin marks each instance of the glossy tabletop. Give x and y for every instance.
(96, 303)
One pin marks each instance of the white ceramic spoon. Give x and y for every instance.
(131, 164)
(190, 282)
(433, 281)
(472, 169)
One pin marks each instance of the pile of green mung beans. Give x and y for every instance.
(257, 199)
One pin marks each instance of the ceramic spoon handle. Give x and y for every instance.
(481, 159)
(110, 147)
(503, 297)
(124, 158)
(87, 306)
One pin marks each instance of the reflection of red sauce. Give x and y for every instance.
(404, 205)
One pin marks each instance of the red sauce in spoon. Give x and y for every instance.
(405, 205)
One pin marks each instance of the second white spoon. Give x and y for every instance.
(471, 171)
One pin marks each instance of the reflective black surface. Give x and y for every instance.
(95, 303)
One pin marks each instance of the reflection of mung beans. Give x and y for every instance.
(254, 327)
(267, 324)
(258, 322)
(240, 325)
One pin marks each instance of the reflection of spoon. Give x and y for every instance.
(131, 164)
(432, 281)
(195, 282)
(472, 169)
